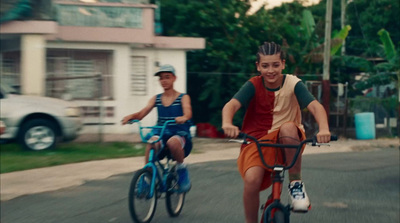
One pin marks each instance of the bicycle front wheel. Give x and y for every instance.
(142, 206)
(173, 199)
(276, 216)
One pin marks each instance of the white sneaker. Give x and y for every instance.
(298, 196)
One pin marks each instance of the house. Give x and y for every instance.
(100, 54)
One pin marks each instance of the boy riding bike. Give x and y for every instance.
(171, 105)
(273, 102)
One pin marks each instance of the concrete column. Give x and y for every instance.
(33, 64)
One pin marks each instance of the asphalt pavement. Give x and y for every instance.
(39, 180)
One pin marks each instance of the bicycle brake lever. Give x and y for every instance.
(242, 141)
(318, 144)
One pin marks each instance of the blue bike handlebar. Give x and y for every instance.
(162, 127)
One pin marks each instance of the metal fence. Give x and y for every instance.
(88, 88)
(343, 109)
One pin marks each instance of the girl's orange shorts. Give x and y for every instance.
(249, 156)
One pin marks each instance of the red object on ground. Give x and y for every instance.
(208, 130)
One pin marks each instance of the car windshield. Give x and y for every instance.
(8, 89)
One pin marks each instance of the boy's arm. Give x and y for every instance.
(228, 112)
(319, 113)
(187, 110)
(142, 113)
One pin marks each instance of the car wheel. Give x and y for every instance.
(38, 134)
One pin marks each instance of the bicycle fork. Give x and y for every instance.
(161, 174)
(154, 173)
(273, 202)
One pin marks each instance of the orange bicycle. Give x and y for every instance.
(274, 210)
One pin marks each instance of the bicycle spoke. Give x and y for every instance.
(174, 200)
(141, 204)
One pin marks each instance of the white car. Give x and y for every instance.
(38, 123)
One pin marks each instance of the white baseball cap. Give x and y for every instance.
(165, 68)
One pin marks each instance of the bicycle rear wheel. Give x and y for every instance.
(142, 206)
(173, 199)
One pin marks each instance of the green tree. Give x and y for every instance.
(214, 74)
(366, 19)
(232, 37)
(385, 72)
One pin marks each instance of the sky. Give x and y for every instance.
(273, 3)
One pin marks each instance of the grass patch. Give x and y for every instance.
(14, 158)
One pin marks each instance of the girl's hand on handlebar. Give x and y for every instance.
(180, 120)
(230, 130)
(323, 137)
(126, 119)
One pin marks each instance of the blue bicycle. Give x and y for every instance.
(156, 178)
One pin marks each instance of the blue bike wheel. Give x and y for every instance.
(142, 205)
(174, 200)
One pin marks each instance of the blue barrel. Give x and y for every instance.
(365, 125)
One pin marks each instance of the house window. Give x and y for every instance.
(79, 74)
(138, 76)
(94, 111)
(80, 14)
(9, 69)
(83, 83)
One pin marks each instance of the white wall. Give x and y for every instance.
(176, 58)
(124, 103)
(33, 64)
(120, 70)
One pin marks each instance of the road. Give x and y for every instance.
(347, 187)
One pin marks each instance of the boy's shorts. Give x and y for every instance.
(186, 142)
(249, 156)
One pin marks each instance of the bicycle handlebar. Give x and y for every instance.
(313, 140)
(162, 127)
(259, 144)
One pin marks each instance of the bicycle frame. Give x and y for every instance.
(287, 146)
(155, 179)
(153, 157)
(274, 202)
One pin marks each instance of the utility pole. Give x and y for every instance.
(327, 57)
(343, 23)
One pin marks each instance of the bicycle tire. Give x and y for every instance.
(174, 200)
(278, 216)
(139, 197)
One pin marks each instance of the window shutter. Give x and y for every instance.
(138, 76)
